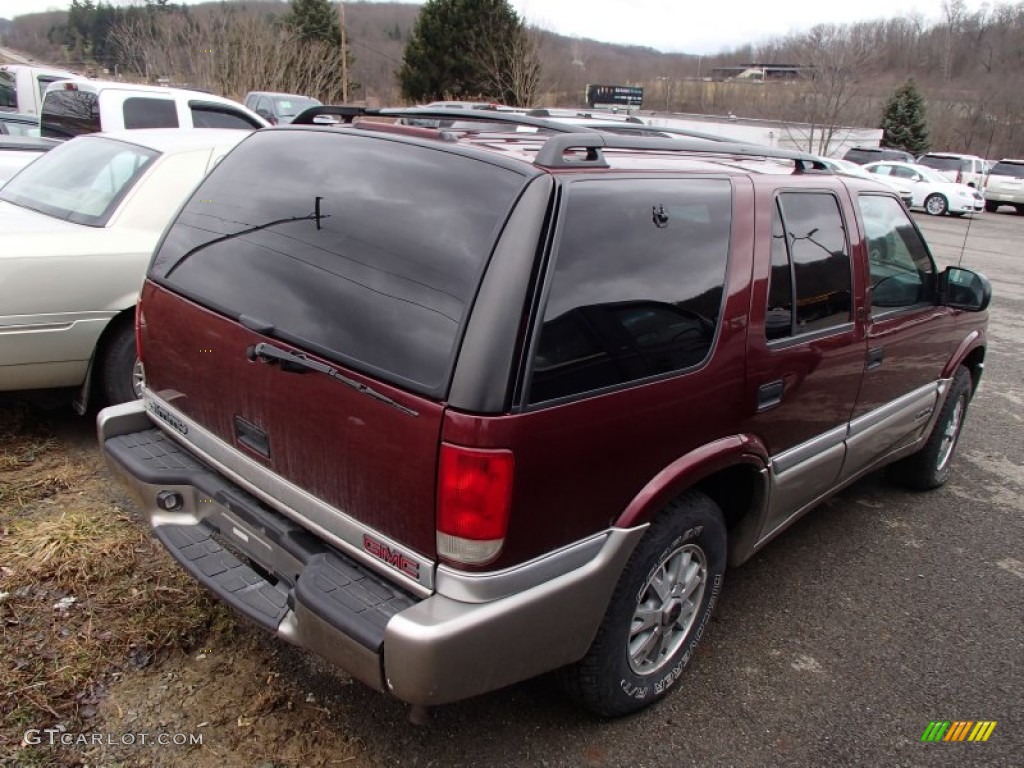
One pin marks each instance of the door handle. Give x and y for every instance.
(875, 357)
(769, 395)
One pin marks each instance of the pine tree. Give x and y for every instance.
(454, 47)
(314, 20)
(904, 125)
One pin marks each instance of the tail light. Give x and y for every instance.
(960, 177)
(474, 494)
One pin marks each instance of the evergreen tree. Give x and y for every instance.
(454, 46)
(904, 125)
(314, 20)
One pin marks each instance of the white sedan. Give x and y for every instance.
(79, 225)
(932, 191)
(901, 187)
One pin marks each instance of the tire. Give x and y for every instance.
(935, 204)
(1019, 209)
(929, 467)
(991, 207)
(688, 535)
(120, 370)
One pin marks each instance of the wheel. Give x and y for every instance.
(991, 207)
(935, 204)
(929, 467)
(120, 369)
(658, 613)
(1019, 209)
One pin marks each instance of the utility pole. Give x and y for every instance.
(344, 53)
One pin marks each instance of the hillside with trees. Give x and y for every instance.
(966, 65)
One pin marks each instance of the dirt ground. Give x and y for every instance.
(109, 649)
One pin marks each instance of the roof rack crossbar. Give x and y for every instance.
(553, 153)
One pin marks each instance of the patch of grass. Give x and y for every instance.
(131, 603)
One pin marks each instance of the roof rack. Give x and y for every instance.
(553, 153)
(653, 131)
(348, 114)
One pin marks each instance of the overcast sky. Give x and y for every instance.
(701, 26)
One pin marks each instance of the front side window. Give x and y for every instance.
(902, 271)
(142, 112)
(81, 181)
(810, 227)
(638, 283)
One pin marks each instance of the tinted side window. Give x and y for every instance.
(902, 272)
(821, 262)
(778, 322)
(69, 113)
(43, 81)
(637, 287)
(378, 274)
(212, 117)
(140, 112)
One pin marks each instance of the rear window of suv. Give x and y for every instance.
(944, 163)
(1012, 168)
(364, 251)
(69, 113)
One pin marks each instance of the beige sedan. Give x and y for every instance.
(79, 226)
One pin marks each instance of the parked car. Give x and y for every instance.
(932, 191)
(18, 151)
(79, 226)
(902, 187)
(510, 406)
(22, 86)
(1005, 186)
(74, 107)
(963, 169)
(278, 108)
(865, 155)
(18, 124)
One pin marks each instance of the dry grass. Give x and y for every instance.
(61, 539)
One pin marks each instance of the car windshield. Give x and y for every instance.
(1007, 168)
(81, 181)
(930, 175)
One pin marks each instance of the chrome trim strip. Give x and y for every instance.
(798, 454)
(880, 414)
(484, 587)
(333, 525)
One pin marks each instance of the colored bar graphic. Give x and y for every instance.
(958, 730)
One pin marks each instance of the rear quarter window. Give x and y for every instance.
(638, 282)
(211, 116)
(140, 112)
(363, 250)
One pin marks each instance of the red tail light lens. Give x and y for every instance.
(474, 494)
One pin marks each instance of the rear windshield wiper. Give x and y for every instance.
(293, 362)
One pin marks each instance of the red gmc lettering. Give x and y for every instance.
(396, 559)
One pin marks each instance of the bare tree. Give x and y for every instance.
(511, 66)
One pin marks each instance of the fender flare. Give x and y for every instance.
(973, 340)
(688, 470)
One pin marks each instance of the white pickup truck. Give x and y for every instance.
(22, 86)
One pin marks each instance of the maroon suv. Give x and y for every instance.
(457, 408)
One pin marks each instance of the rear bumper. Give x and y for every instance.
(430, 650)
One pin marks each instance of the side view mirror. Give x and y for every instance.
(965, 289)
